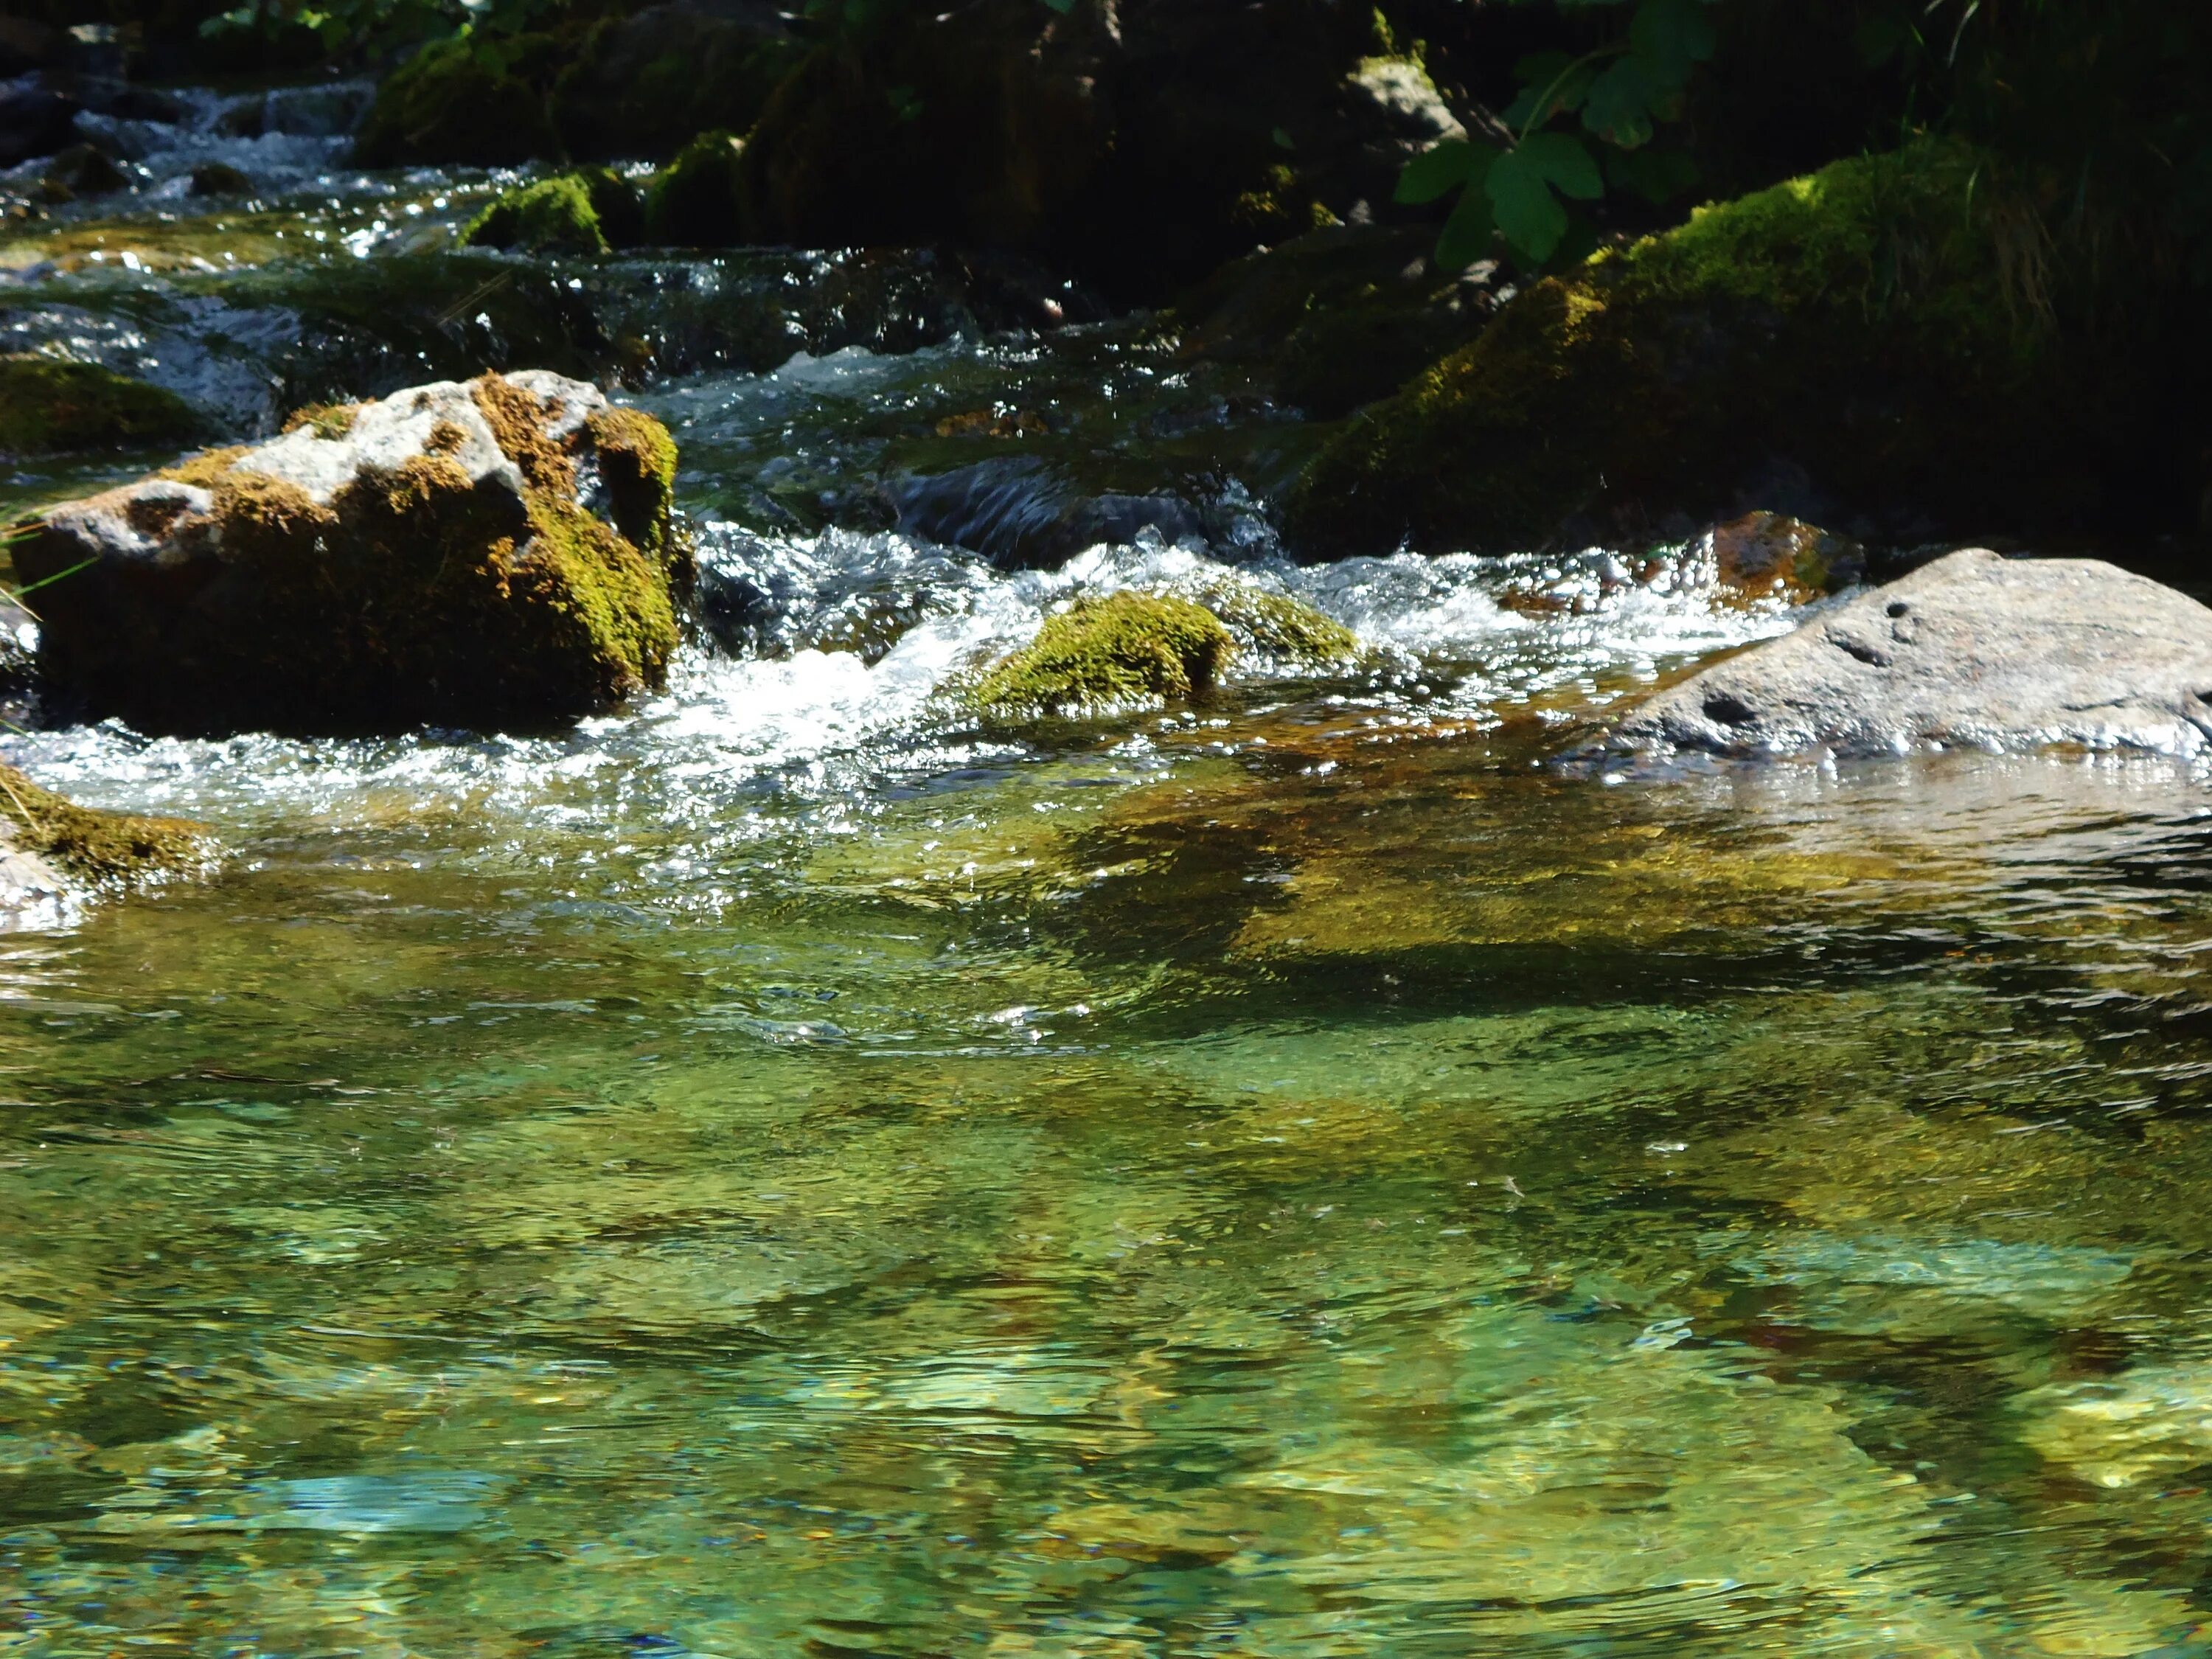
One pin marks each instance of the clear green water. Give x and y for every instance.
(773, 1174)
(1083, 1206)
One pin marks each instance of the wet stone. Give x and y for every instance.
(1974, 651)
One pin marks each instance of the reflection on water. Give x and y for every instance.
(783, 1172)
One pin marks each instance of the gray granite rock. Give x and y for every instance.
(1972, 651)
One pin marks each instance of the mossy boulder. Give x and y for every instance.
(458, 102)
(1132, 650)
(697, 199)
(497, 553)
(1873, 328)
(47, 406)
(102, 848)
(1127, 650)
(591, 210)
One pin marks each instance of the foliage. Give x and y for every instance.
(1581, 121)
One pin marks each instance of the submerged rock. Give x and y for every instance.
(495, 553)
(1973, 651)
(1859, 327)
(47, 405)
(52, 849)
(1766, 555)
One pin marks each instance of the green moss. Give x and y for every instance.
(1866, 323)
(47, 405)
(697, 200)
(331, 420)
(100, 846)
(589, 211)
(1276, 625)
(450, 104)
(637, 464)
(1124, 650)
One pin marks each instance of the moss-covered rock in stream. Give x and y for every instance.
(1123, 651)
(591, 210)
(47, 406)
(1134, 650)
(1871, 328)
(100, 847)
(697, 200)
(452, 103)
(432, 557)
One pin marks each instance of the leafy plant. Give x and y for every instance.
(1582, 122)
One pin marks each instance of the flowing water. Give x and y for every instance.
(778, 1171)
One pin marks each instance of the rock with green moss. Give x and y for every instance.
(697, 199)
(591, 210)
(1871, 327)
(453, 102)
(494, 554)
(1134, 650)
(47, 406)
(1128, 650)
(52, 849)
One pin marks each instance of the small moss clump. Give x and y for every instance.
(329, 420)
(592, 210)
(47, 406)
(697, 199)
(1127, 650)
(1863, 323)
(97, 846)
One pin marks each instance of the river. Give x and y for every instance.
(776, 1171)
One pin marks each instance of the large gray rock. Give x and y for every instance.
(1972, 651)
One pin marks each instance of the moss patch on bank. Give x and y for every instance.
(106, 848)
(48, 406)
(1875, 325)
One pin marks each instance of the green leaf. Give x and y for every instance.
(1063, 6)
(1561, 84)
(1672, 36)
(1528, 212)
(1622, 103)
(1465, 235)
(1564, 159)
(1442, 169)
